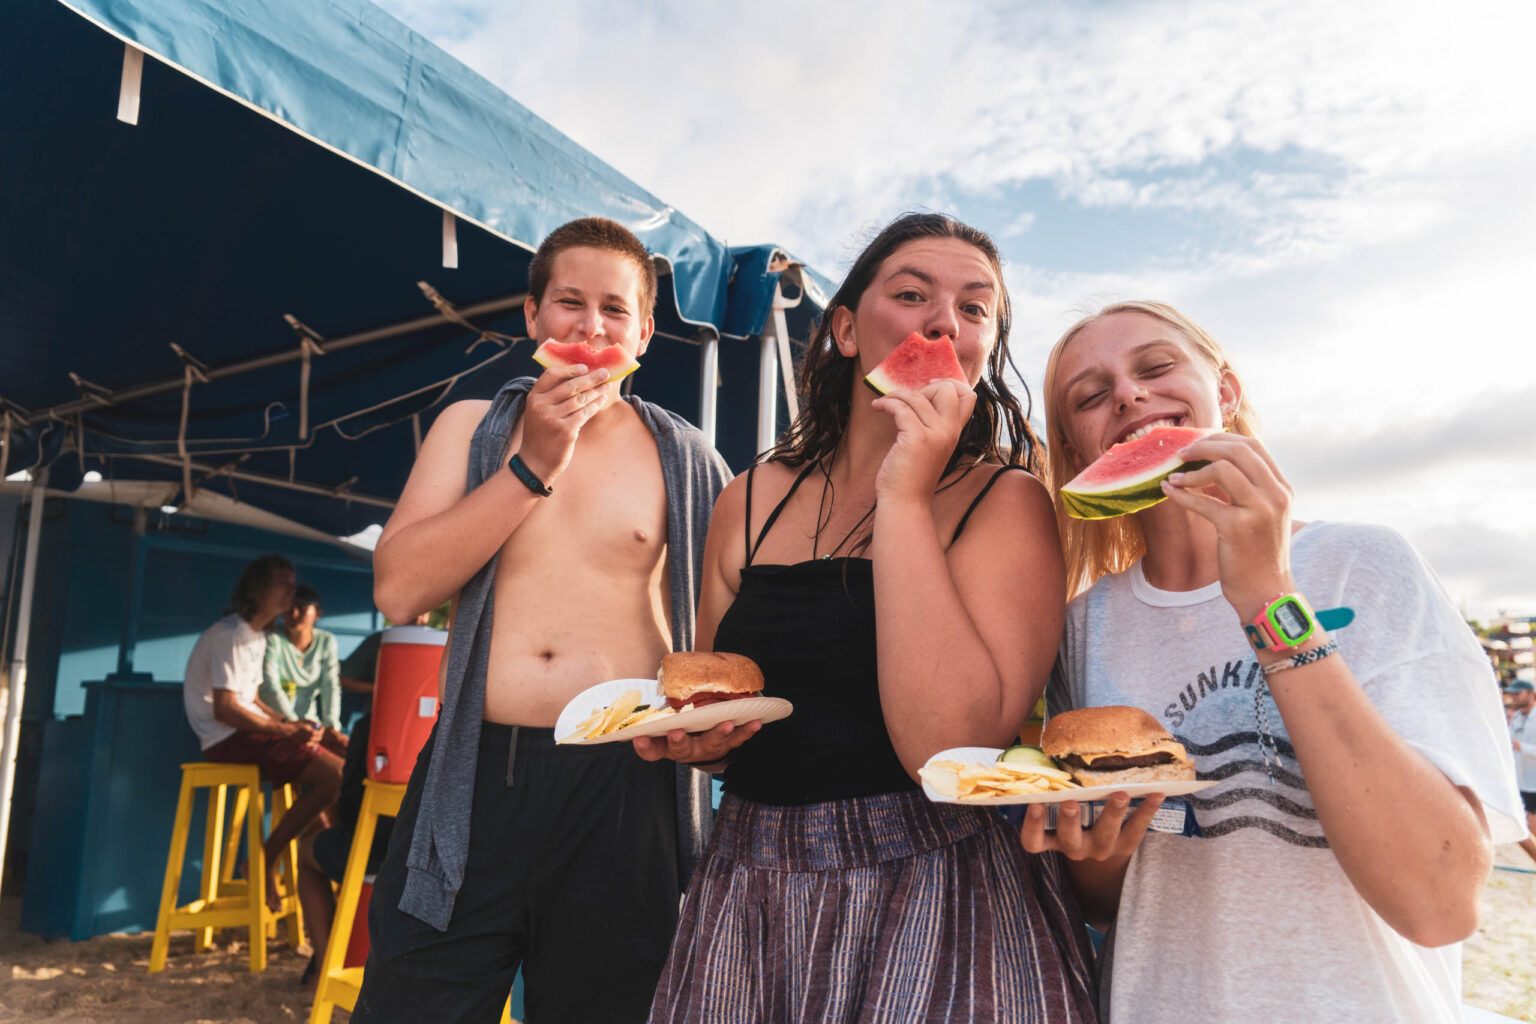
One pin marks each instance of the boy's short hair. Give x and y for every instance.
(593, 233)
(305, 595)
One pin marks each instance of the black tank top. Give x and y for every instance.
(810, 626)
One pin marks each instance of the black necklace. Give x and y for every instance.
(824, 513)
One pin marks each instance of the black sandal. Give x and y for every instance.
(310, 970)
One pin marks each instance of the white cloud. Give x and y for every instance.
(1340, 192)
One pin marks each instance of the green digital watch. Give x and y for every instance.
(1286, 623)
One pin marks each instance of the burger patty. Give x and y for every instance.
(1099, 764)
(698, 700)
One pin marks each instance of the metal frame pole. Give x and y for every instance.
(16, 691)
(767, 387)
(709, 376)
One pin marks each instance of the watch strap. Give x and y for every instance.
(1264, 632)
(529, 478)
(1334, 618)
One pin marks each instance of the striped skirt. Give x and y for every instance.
(874, 910)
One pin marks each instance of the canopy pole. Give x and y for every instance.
(105, 398)
(129, 637)
(767, 390)
(16, 691)
(709, 377)
(786, 359)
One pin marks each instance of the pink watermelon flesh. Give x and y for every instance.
(570, 353)
(1128, 477)
(916, 363)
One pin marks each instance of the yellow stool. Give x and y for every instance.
(227, 902)
(339, 985)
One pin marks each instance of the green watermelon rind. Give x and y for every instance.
(1113, 504)
(547, 360)
(1109, 504)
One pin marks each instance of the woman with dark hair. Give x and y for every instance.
(1362, 775)
(878, 564)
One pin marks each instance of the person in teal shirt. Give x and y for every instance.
(300, 675)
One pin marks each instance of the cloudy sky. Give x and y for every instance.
(1342, 192)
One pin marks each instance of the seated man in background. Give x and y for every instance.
(300, 674)
(234, 726)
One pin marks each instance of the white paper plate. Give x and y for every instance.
(988, 755)
(739, 711)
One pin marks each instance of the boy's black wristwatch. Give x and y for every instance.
(530, 480)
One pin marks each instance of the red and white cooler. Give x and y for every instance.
(404, 699)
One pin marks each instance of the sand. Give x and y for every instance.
(1498, 970)
(106, 980)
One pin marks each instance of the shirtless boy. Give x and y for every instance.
(509, 851)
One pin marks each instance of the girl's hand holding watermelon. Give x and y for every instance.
(1243, 494)
(928, 426)
(558, 406)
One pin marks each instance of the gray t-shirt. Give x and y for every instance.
(1254, 920)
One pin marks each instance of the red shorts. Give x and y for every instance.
(281, 758)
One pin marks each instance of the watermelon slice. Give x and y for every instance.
(916, 363)
(1127, 478)
(570, 353)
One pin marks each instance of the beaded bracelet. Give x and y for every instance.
(1304, 658)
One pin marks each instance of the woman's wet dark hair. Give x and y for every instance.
(827, 376)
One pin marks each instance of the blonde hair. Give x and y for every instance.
(1100, 547)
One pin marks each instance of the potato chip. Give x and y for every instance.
(644, 713)
(620, 709)
(941, 779)
(972, 782)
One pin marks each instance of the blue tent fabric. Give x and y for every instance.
(351, 76)
(218, 215)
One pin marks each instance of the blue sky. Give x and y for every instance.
(1341, 192)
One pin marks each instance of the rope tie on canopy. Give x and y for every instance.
(343, 490)
(90, 391)
(192, 369)
(309, 345)
(446, 310)
(228, 471)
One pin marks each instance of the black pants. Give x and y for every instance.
(572, 875)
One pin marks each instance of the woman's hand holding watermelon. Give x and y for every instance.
(928, 426)
(1243, 494)
(558, 406)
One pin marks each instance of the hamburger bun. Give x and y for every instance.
(1115, 745)
(702, 677)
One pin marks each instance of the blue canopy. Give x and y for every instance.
(250, 278)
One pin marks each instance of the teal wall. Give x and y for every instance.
(96, 783)
(189, 567)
